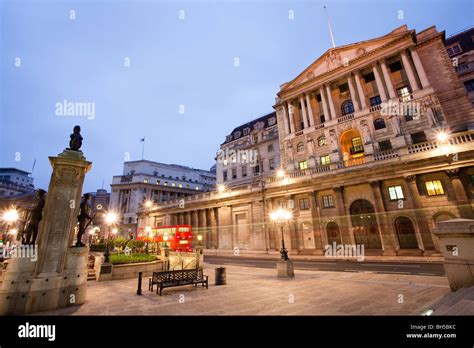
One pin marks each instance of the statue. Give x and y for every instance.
(396, 124)
(333, 140)
(366, 133)
(84, 219)
(31, 231)
(76, 139)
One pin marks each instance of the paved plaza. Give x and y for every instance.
(257, 291)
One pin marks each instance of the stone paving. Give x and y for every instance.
(257, 291)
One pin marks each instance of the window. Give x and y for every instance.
(224, 175)
(303, 165)
(369, 77)
(395, 193)
(410, 113)
(271, 121)
(234, 173)
(255, 138)
(395, 66)
(157, 182)
(173, 184)
(318, 98)
(322, 119)
(145, 181)
(325, 160)
(300, 147)
(244, 171)
(419, 137)
(347, 107)
(304, 204)
(246, 131)
(469, 85)
(187, 185)
(455, 49)
(379, 123)
(270, 148)
(357, 146)
(271, 163)
(343, 88)
(322, 140)
(197, 188)
(385, 145)
(328, 201)
(180, 185)
(404, 93)
(375, 100)
(434, 188)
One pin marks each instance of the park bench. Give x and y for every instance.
(177, 278)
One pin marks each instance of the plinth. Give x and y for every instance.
(58, 276)
(285, 269)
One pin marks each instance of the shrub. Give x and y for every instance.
(120, 242)
(118, 259)
(135, 244)
(97, 247)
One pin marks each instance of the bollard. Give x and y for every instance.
(139, 290)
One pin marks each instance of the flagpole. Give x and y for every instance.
(143, 147)
(330, 28)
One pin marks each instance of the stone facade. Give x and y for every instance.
(377, 146)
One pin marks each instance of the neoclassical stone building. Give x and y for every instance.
(377, 145)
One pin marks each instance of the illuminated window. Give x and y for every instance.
(395, 193)
(145, 181)
(157, 182)
(173, 184)
(322, 140)
(434, 187)
(328, 201)
(180, 185)
(325, 160)
(300, 147)
(197, 188)
(166, 183)
(303, 165)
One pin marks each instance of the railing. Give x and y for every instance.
(345, 118)
(356, 149)
(422, 147)
(384, 155)
(299, 133)
(375, 108)
(319, 126)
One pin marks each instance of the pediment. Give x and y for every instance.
(342, 55)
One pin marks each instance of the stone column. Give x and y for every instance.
(310, 109)
(353, 93)
(327, 115)
(409, 71)
(419, 68)
(316, 219)
(203, 224)
(343, 220)
(291, 113)
(360, 90)
(213, 224)
(330, 102)
(388, 80)
(285, 120)
(379, 82)
(420, 216)
(462, 201)
(304, 114)
(384, 225)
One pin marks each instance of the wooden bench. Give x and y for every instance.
(177, 278)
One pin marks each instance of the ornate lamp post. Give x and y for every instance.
(282, 216)
(10, 217)
(110, 219)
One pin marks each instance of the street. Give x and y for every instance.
(424, 269)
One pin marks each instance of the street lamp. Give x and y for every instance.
(221, 188)
(282, 216)
(110, 219)
(148, 204)
(280, 173)
(200, 239)
(10, 217)
(148, 236)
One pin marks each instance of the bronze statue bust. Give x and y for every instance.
(76, 139)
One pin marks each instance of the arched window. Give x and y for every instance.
(379, 123)
(364, 222)
(322, 140)
(300, 147)
(406, 233)
(333, 233)
(347, 107)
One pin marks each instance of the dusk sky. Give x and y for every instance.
(173, 62)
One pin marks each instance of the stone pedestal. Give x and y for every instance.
(285, 269)
(58, 276)
(456, 239)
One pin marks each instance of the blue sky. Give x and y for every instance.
(173, 62)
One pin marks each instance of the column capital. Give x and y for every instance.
(410, 178)
(452, 173)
